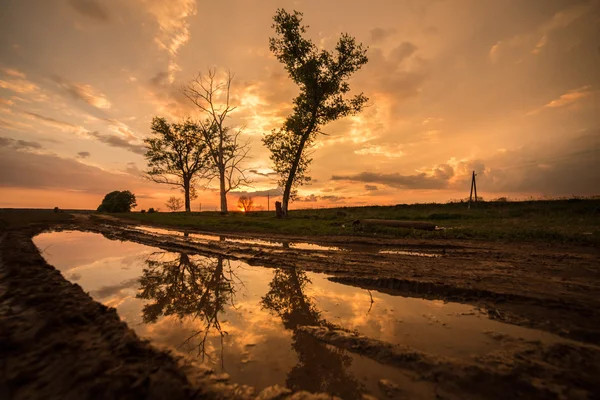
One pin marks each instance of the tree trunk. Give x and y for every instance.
(186, 191)
(223, 193)
(290, 180)
(278, 210)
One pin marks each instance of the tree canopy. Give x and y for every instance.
(177, 155)
(118, 202)
(321, 76)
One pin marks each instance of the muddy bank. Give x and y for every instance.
(527, 370)
(553, 290)
(57, 343)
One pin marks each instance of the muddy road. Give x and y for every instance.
(58, 342)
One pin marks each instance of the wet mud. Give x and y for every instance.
(57, 342)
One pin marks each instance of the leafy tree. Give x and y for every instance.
(188, 286)
(328, 367)
(225, 150)
(177, 155)
(245, 203)
(118, 202)
(322, 78)
(174, 203)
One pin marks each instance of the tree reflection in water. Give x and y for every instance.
(320, 368)
(199, 287)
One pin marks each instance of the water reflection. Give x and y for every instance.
(198, 287)
(203, 289)
(245, 319)
(320, 368)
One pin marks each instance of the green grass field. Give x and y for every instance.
(570, 221)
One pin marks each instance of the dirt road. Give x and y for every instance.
(59, 343)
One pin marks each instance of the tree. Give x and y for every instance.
(177, 155)
(322, 78)
(245, 203)
(118, 202)
(174, 203)
(225, 150)
(189, 286)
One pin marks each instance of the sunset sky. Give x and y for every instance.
(507, 88)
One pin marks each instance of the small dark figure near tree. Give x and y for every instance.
(245, 203)
(174, 203)
(322, 78)
(118, 202)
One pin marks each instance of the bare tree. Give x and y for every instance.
(245, 203)
(226, 151)
(177, 155)
(174, 203)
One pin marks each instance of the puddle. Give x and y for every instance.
(408, 253)
(260, 242)
(243, 320)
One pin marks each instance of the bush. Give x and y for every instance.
(56, 209)
(142, 211)
(118, 202)
(151, 210)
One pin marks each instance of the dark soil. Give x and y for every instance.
(56, 342)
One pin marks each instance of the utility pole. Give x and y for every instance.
(268, 201)
(473, 189)
(200, 206)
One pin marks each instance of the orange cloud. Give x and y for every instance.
(570, 97)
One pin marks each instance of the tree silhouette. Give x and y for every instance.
(225, 149)
(177, 155)
(322, 77)
(117, 202)
(196, 287)
(320, 368)
(245, 203)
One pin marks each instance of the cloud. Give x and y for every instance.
(13, 73)
(84, 92)
(402, 52)
(83, 154)
(18, 144)
(54, 122)
(393, 76)
(540, 36)
(396, 180)
(47, 171)
(132, 169)
(570, 97)
(117, 141)
(271, 174)
(371, 188)
(91, 9)
(19, 85)
(312, 198)
(379, 35)
(390, 151)
(172, 19)
(108, 291)
(260, 193)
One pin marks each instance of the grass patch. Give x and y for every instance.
(15, 218)
(546, 221)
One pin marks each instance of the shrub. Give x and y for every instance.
(118, 202)
(151, 210)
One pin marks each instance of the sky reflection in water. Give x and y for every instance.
(243, 320)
